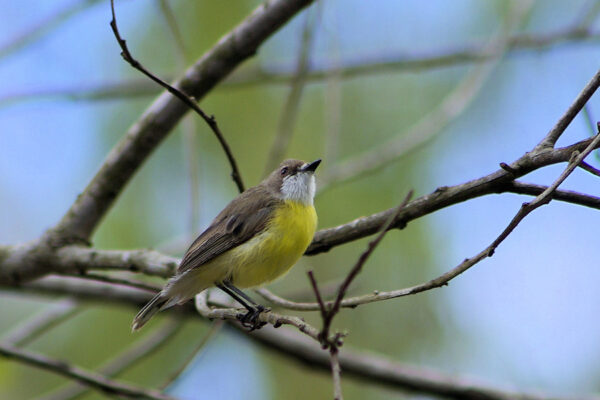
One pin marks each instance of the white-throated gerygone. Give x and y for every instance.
(257, 238)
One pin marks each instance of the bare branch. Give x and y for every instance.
(442, 197)
(368, 367)
(190, 142)
(232, 315)
(44, 27)
(33, 327)
(174, 28)
(329, 312)
(187, 100)
(543, 198)
(149, 262)
(592, 170)
(115, 281)
(250, 76)
(21, 263)
(561, 195)
(336, 373)
(315, 287)
(377, 369)
(365, 366)
(162, 116)
(550, 140)
(287, 120)
(434, 122)
(139, 350)
(91, 379)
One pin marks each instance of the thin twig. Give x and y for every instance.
(285, 127)
(315, 286)
(70, 371)
(329, 313)
(42, 29)
(173, 27)
(382, 371)
(47, 318)
(433, 123)
(557, 130)
(116, 281)
(366, 366)
(190, 142)
(164, 113)
(568, 196)
(327, 288)
(17, 264)
(587, 114)
(377, 295)
(336, 373)
(249, 77)
(210, 120)
(544, 198)
(143, 348)
(326, 314)
(232, 316)
(592, 170)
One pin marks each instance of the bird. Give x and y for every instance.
(254, 240)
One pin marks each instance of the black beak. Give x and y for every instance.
(311, 167)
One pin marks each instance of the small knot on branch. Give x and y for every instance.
(509, 169)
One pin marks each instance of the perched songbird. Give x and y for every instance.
(254, 240)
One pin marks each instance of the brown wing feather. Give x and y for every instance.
(241, 220)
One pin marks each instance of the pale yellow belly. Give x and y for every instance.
(271, 254)
(260, 260)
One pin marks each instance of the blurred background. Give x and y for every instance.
(526, 319)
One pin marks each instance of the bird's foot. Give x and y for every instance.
(251, 318)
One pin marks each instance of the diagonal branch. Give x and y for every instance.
(329, 313)
(367, 367)
(231, 315)
(139, 350)
(91, 379)
(188, 101)
(166, 111)
(40, 30)
(432, 124)
(291, 107)
(32, 328)
(21, 263)
(557, 130)
(442, 197)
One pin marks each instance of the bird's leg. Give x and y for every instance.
(250, 319)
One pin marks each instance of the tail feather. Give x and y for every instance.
(158, 303)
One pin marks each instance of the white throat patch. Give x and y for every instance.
(299, 187)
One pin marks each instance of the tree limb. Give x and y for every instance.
(24, 262)
(91, 379)
(187, 100)
(161, 117)
(368, 367)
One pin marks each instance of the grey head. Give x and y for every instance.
(293, 180)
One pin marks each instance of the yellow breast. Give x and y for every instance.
(271, 254)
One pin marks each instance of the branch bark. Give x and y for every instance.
(25, 262)
(161, 117)
(90, 379)
(368, 367)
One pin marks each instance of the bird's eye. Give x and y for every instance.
(284, 170)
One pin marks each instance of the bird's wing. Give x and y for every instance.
(243, 218)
